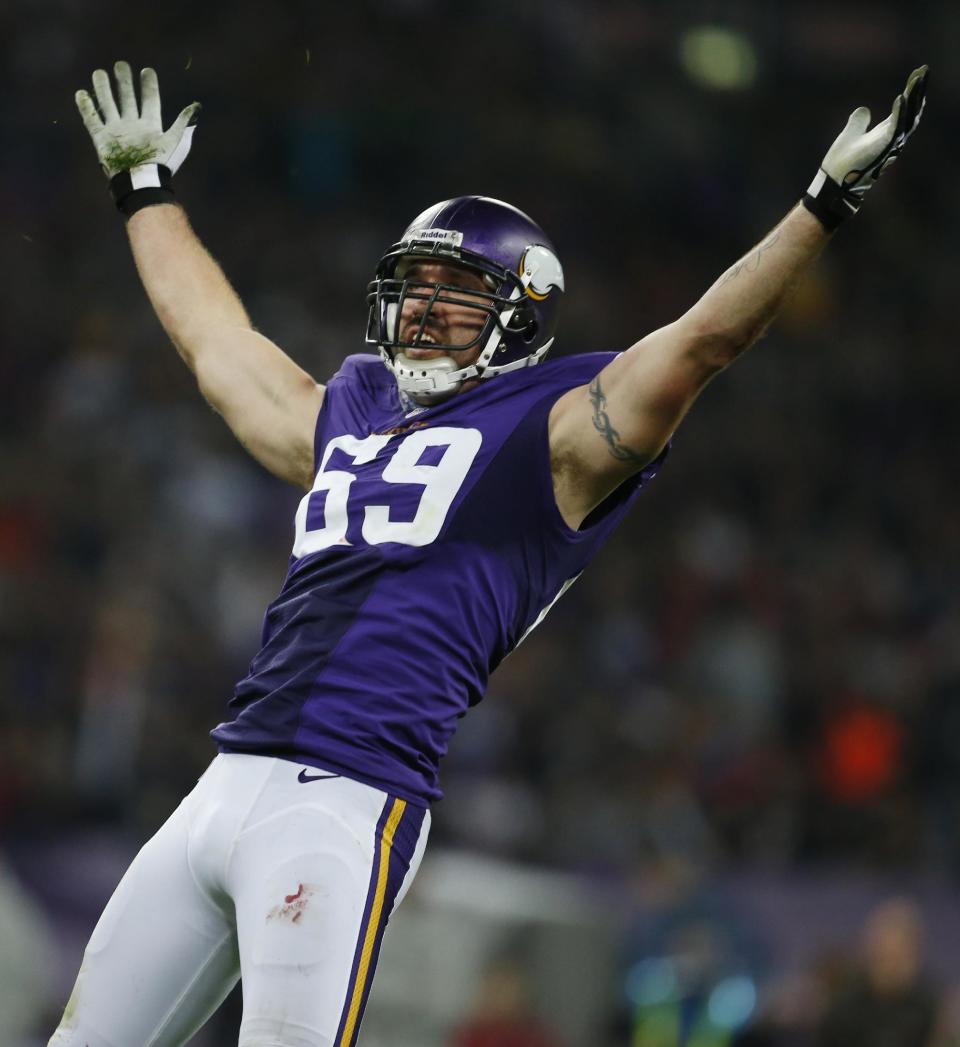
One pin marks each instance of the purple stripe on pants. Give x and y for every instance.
(406, 832)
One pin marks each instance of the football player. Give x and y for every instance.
(454, 486)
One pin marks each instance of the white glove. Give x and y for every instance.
(134, 150)
(858, 157)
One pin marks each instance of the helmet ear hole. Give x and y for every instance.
(524, 321)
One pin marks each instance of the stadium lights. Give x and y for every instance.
(718, 58)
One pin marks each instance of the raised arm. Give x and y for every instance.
(604, 432)
(269, 402)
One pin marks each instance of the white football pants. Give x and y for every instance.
(281, 874)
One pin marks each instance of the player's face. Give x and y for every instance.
(449, 323)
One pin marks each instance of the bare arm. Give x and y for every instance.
(269, 402)
(602, 433)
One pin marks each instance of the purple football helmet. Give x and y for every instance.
(523, 282)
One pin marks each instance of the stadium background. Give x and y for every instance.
(727, 769)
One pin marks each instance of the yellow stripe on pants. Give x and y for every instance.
(373, 925)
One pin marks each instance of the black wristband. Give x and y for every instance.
(141, 187)
(829, 202)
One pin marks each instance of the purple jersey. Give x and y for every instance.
(430, 545)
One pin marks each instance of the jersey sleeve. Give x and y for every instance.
(570, 373)
(351, 394)
(320, 429)
(511, 515)
(537, 424)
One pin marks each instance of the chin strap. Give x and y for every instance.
(427, 381)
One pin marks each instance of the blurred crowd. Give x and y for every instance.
(762, 670)
(876, 994)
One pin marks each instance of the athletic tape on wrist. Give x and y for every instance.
(829, 202)
(141, 187)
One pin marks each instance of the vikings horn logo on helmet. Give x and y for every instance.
(541, 271)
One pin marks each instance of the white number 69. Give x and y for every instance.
(440, 483)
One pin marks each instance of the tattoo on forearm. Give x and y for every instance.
(603, 425)
(752, 262)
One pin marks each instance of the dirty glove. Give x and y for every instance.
(136, 154)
